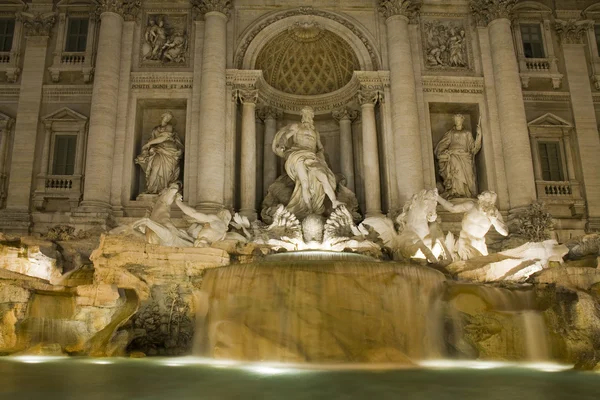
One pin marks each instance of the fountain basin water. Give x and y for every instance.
(159, 378)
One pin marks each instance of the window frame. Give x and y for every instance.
(5, 35)
(560, 157)
(78, 35)
(541, 43)
(54, 149)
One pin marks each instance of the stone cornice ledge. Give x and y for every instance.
(533, 96)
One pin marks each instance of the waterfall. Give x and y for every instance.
(322, 308)
(50, 319)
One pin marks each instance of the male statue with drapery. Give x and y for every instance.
(161, 156)
(300, 145)
(456, 154)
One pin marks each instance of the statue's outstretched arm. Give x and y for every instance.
(477, 143)
(454, 208)
(196, 215)
(499, 224)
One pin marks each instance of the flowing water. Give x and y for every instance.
(50, 319)
(335, 308)
(330, 307)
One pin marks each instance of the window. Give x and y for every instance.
(533, 46)
(551, 162)
(7, 30)
(64, 154)
(77, 35)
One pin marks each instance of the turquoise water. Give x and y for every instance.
(154, 379)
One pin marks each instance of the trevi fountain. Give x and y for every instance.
(299, 208)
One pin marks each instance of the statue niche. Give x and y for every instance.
(455, 154)
(160, 158)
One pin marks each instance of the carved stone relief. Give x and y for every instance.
(445, 44)
(165, 40)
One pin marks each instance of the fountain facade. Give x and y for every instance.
(311, 194)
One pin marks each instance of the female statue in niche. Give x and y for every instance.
(456, 153)
(161, 156)
(300, 145)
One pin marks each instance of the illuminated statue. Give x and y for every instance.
(300, 145)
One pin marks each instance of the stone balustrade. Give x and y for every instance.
(4, 57)
(72, 58)
(58, 187)
(558, 189)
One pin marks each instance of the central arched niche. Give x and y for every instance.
(307, 60)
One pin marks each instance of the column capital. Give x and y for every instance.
(344, 113)
(366, 97)
(39, 24)
(206, 6)
(246, 95)
(128, 9)
(485, 11)
(268, 112)
(405, 8)
(572, 31)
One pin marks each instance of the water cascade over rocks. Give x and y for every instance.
(337, 308)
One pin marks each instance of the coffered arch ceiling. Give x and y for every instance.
(307, 59)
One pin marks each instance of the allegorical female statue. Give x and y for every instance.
(161, 156)
(300, 145)
(456, 153)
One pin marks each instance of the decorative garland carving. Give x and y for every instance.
(406, 8)
(239, 57)
(572, 31)
(206, 6)
(485, 11)
(38, 24)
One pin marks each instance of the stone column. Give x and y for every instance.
(367, 101)
(248, 166)
(211, 140)
(509, 97)
(38, 28)
(5, 129)
(104, 108)
(403, 102)
(345, 116)
(270, 116)
(572, 35)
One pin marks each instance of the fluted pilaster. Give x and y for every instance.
(513, 123)
(103, 113)
(248, 98)
(403, 96)
(211, 139)
(345, 116)
(269, 115)
(372, 181)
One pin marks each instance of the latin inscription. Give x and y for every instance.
(146, 86)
